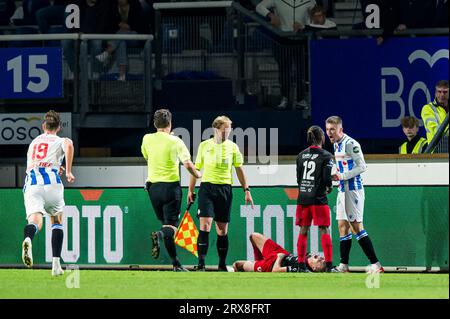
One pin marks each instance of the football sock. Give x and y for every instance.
(30, 230)
(169, 243)
(222, 249)
(301, 247)
(57, 239)
(202, 244)
(366, 245)
(345, 245)
(327, 247)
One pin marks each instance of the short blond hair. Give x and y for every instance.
(220, 120)
(334, 120)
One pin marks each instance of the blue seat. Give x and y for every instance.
(173, 38)
(259, 39)
(26, 25)
(226, 41)
(30, 7)
(25, 44)
(54, 29)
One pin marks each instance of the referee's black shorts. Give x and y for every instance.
(166, 201)
(214, 200)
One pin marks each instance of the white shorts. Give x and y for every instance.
(44, 199)
(350, 206)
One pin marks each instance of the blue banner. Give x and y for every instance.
(31, 73)
(373, 86)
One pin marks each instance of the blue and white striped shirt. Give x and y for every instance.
(350, 163)
(44, 158)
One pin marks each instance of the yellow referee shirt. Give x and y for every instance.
(218, 160)
(163, 153)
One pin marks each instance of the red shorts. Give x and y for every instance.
(305, 214)
(269, 252)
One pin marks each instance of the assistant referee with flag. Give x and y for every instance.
(163, 153)
(216, 156)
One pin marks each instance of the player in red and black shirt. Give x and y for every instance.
(314, 181)
(271, 257)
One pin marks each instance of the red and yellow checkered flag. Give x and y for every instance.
(187, 234)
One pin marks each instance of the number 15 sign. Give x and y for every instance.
(31, 73)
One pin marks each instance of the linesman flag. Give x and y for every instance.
(187, 233)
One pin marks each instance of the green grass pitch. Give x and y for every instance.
(29, 283)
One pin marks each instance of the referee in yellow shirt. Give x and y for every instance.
(216, 157)
(163, 153)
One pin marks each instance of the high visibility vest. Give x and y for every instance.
(432, 116)
(418, 148)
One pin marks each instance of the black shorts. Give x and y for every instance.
(166, 201)
(214, 200)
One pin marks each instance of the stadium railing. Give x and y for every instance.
(101, 87)
(439, 143)
(90, 85)
(239, 44)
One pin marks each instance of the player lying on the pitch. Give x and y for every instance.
(271, 257)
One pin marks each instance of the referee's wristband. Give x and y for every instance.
(246, 189)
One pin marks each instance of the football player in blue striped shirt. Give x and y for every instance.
(350, 200)
(43, 190)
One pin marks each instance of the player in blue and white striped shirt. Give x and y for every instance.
(43, 189)
(350, 200)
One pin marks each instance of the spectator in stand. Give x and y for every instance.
(128, 17)
(149, 13)
(289, 16)
(434, 113)
(441, 14)
(417, 14)
(389, 16)
(7, 8)
(94, 18)
(52, 15)
(319, 20)
(415, 144)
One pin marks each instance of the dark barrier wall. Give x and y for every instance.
(408, 226)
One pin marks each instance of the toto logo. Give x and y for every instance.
(20, 129)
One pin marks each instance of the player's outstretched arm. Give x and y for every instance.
(69, 151)
(238, 265)
(192, 169)
(191, 189)
(277, 265)
(244, 265)
(243, 180)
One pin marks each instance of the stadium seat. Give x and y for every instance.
(28, 23)
(172, 36)
(54, 29)
(259, 39)
(29, 11)
(7, 8)
(226, 41)
(24, 44)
